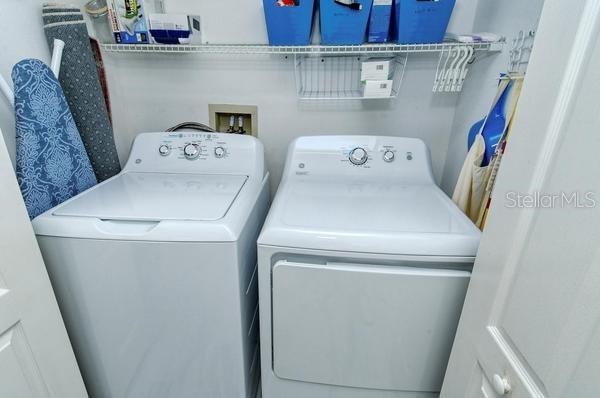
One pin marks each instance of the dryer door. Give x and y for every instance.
(366, 326)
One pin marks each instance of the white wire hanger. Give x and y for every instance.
(452, 69)
(59, 45)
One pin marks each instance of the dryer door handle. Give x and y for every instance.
(462, 272)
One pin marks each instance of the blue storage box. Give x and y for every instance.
(289, 26)
(169, 28)
(421, 21)
(379, 22)
(344, 21)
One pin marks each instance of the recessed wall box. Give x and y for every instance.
(226, 118)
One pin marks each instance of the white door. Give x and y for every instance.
(531, 322)
(36, 359)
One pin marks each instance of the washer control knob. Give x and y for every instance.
(191, 151)
(219, 152)
(164, 150)
(358, 156)
(389, 156)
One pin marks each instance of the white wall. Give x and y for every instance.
(153, 92)
(506, 18)
(24, 17)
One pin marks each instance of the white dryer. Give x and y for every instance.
(363, 265)
(154, 269)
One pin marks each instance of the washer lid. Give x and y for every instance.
(369, 216)
(157, 197)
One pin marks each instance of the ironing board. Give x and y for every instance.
(52, 164)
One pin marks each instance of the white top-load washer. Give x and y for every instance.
(363, 265)
(155, 269)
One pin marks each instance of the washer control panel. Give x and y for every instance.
(195, 152)
(194, 146)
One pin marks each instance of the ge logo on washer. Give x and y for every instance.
(301, 166)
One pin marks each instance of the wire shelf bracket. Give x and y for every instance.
(520, 51)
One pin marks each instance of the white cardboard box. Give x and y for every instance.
(173, 22)
(375, 69)
(377, 88)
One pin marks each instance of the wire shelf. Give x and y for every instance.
(338, 77)
(322, 72)
(364, 49)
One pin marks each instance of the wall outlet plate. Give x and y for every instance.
(220, 114)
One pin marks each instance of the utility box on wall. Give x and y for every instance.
(235, 119)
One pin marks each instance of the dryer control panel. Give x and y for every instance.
(196, 152)
(360, 156)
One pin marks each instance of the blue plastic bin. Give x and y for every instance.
(342, 24)
(421, 21)
(169, 36)
(289, 26)
(379, 22)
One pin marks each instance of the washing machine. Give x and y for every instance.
(364, 265)
(155, 269)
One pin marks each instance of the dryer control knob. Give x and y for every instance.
(388, 156)
(191, 151)
(219, 152)
(164, 150)
(358, 156)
